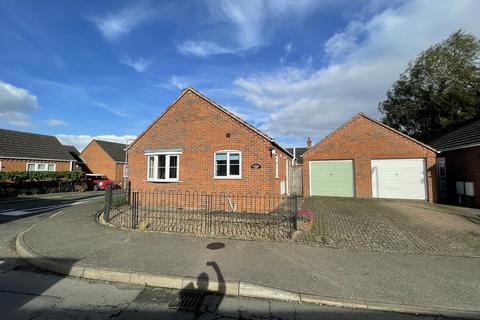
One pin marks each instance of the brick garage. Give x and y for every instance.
(104, 157)
(362, 141)
(194, 132)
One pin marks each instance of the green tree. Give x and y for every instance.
(439, 89)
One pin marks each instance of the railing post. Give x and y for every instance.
(134, 210)
(129, 192)
(294, 214)
(108, 204)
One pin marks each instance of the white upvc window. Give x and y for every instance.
(228, 164)
(163, 167)
(41, 167)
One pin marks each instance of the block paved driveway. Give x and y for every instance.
(395, 226)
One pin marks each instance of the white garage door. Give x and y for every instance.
(399, 179)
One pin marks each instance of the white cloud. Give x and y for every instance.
(139, 65)
(81, 141)
(364, 60)
(56, 122)
(179, 82)
(202, 48)
(287, 49)
(15, 103)
(17, 119)
(242, 25)
(114, 26)
(16, 99)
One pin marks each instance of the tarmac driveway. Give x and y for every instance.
(395, 226)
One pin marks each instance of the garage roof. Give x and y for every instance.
(377, 122)
(115, 150)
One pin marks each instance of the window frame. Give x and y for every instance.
(36, 164)
(228, 176)
(168, 155)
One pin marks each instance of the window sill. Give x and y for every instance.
(227, 178)
(163, 181)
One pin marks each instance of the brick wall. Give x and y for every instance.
(119, 174)
(98, 161)
(463, 165)
(362, 140)
(9, 165)
(200, 129)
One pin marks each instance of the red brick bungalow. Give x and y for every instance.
(365, 158)
(25, 151)
(197, 145)
(459, 164)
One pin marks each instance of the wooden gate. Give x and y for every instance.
(295, 181)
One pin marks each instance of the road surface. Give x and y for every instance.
(28, 293)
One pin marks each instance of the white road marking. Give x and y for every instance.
(16, 213)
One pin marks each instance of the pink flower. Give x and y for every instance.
(305, 214)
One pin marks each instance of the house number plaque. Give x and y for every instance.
(256, 165)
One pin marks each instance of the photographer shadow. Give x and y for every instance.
(200, 297)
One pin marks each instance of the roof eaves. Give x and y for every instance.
(377, 122)
(400, 133)
(459, 147)
(43, 159)
(229, 113)
(159, 117)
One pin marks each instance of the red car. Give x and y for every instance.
(97, 182)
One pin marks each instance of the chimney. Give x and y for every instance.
(309, 143)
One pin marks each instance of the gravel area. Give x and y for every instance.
(231, 225)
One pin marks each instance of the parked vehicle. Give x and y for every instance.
(97, 182)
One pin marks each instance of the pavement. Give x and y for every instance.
(30, 293)
(424, 284)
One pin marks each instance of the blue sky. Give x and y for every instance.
(106, 69)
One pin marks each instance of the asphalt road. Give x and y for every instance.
(28, 293)
(21, 208)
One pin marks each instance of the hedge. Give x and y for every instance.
(19, 176)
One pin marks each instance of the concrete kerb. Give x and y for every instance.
(232, 288)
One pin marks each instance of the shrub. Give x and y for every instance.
(18, 176)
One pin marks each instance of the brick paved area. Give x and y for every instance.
(392, 225)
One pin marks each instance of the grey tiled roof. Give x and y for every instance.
(26, 145)
(115, 150)
(73, 152)
(463, 137)
(298, 153)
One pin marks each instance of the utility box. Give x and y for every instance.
(469, 189)
(460, 187)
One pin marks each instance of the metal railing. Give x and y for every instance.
(251, 216)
